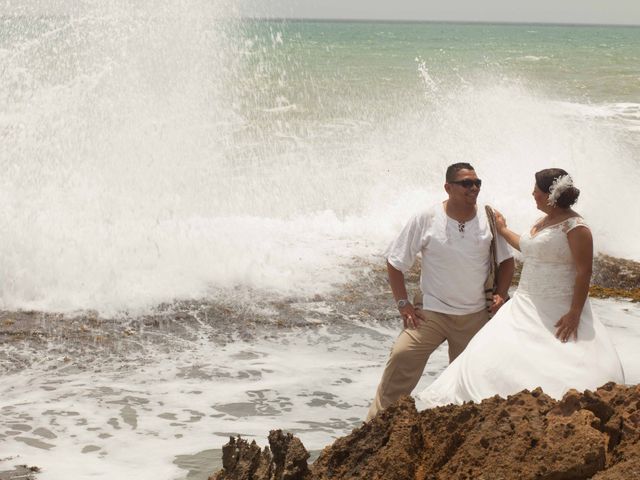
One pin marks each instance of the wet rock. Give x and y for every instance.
(372, 451)
(241, 459)
(286, 459)
(289, 457)
(612, 272)
(626, 469)
(526, 436)
(615, 277)
(21, 472)
(513, 438)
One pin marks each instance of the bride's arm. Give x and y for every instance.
(512, 238)
(581, 245)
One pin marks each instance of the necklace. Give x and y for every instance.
(464, 214)
(550, 221)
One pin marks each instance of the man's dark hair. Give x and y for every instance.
(452, 170)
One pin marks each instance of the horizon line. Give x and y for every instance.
(469, 22)
(377, 20)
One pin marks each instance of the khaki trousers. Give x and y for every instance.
(413, 347)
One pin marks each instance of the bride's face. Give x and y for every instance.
(540, 197)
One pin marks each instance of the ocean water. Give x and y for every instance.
(151, 154)
(161, 156)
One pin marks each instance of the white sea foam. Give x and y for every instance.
(508, 132)
(620, 110)
(533, 58)
(148, 163)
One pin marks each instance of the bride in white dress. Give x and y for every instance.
(546, 335)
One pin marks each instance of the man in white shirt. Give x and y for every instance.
(454, 238)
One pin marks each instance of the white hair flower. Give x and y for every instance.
(559, 185)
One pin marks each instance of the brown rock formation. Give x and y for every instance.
(617, 273)
(615, 277)
(285, 460)
(527, 436)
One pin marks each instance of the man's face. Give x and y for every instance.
(464, 188)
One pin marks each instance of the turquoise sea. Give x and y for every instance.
(176, 187)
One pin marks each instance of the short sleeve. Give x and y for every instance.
(503, 250)
(402, 252)
(573, 223)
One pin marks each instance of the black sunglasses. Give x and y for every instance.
(468, 183)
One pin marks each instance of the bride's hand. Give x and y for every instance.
(567, 327)
(501, 222)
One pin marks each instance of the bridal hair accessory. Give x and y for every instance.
(557, 188)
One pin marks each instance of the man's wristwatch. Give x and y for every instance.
(402, 303)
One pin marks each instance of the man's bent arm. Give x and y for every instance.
(410, 317)
(396, 282)
(504, 277)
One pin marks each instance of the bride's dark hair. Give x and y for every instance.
(546, 177)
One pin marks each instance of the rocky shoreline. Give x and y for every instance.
(615, 278)
(20, 472)
(529, 435)
(612, 278)
(82, 341)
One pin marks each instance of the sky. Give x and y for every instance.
(615, 12)
(623, 12)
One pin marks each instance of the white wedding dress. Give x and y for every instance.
(518, 349)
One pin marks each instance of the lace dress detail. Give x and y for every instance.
(548, 264)
(518, 348)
